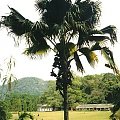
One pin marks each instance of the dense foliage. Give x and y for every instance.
(18, 102)
(24, 102)
(25, 115)
(94, 89)
(26, 85)
(4, 112)
(103, 88)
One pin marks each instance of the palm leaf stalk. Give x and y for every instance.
(69, 29)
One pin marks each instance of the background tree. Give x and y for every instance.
(21, 102)
(113, 96)
(51, 97)
(75, 94)
(24, 115)
(8, 77)
(90, 89)
(4, 114)
(60, 22)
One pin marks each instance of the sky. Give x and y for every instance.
(41, 68)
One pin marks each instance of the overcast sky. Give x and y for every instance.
(41, 68)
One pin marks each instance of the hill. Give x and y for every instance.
(28, 85)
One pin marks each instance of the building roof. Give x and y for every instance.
(95, 106)
(44, 105)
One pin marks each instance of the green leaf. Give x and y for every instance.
(16, 23)
(96, 46)
(109, 57)
(111, 29)
(98, 38)
(90, 55)
(39, 50)
(71, 47)
(78, 62)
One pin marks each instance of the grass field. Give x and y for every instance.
(98, 115)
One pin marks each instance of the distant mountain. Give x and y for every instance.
(29, 85)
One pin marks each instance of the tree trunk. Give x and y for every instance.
(66, 113)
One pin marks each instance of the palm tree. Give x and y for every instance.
(69, 29)
(2, 114)
(8, 77)
(24, 116)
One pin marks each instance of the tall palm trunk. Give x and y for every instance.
(65, 86)
(65, 103)
(64, 76)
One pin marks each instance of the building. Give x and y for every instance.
(44, 108)
(98, 107)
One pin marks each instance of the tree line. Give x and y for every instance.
(90, 89)
(20, 102)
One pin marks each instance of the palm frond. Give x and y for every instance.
(41, 5)
(67, 26)
(108, 54)
(109, 57)
(90, 55)
(9, 83)
(16, 23)
(58, 47)
(36, 34)
(96, 46)
(113, 67)
(16, 13)
(39, 50)
(41, 26)
(93, 58)
(4, 80)
(25, 115)
(98, 38)
(71, 47)
(78, 63)
(55, 12)
(111, 29)
(81, 38)
(35, 39)
(8, 79)
(10, 63)
(90, 12)
(95, 31)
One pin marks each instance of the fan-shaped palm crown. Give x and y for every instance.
(60, 22)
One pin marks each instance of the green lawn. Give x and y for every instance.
(98, 115)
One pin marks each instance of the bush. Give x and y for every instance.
(24, 115)
(4, 114)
